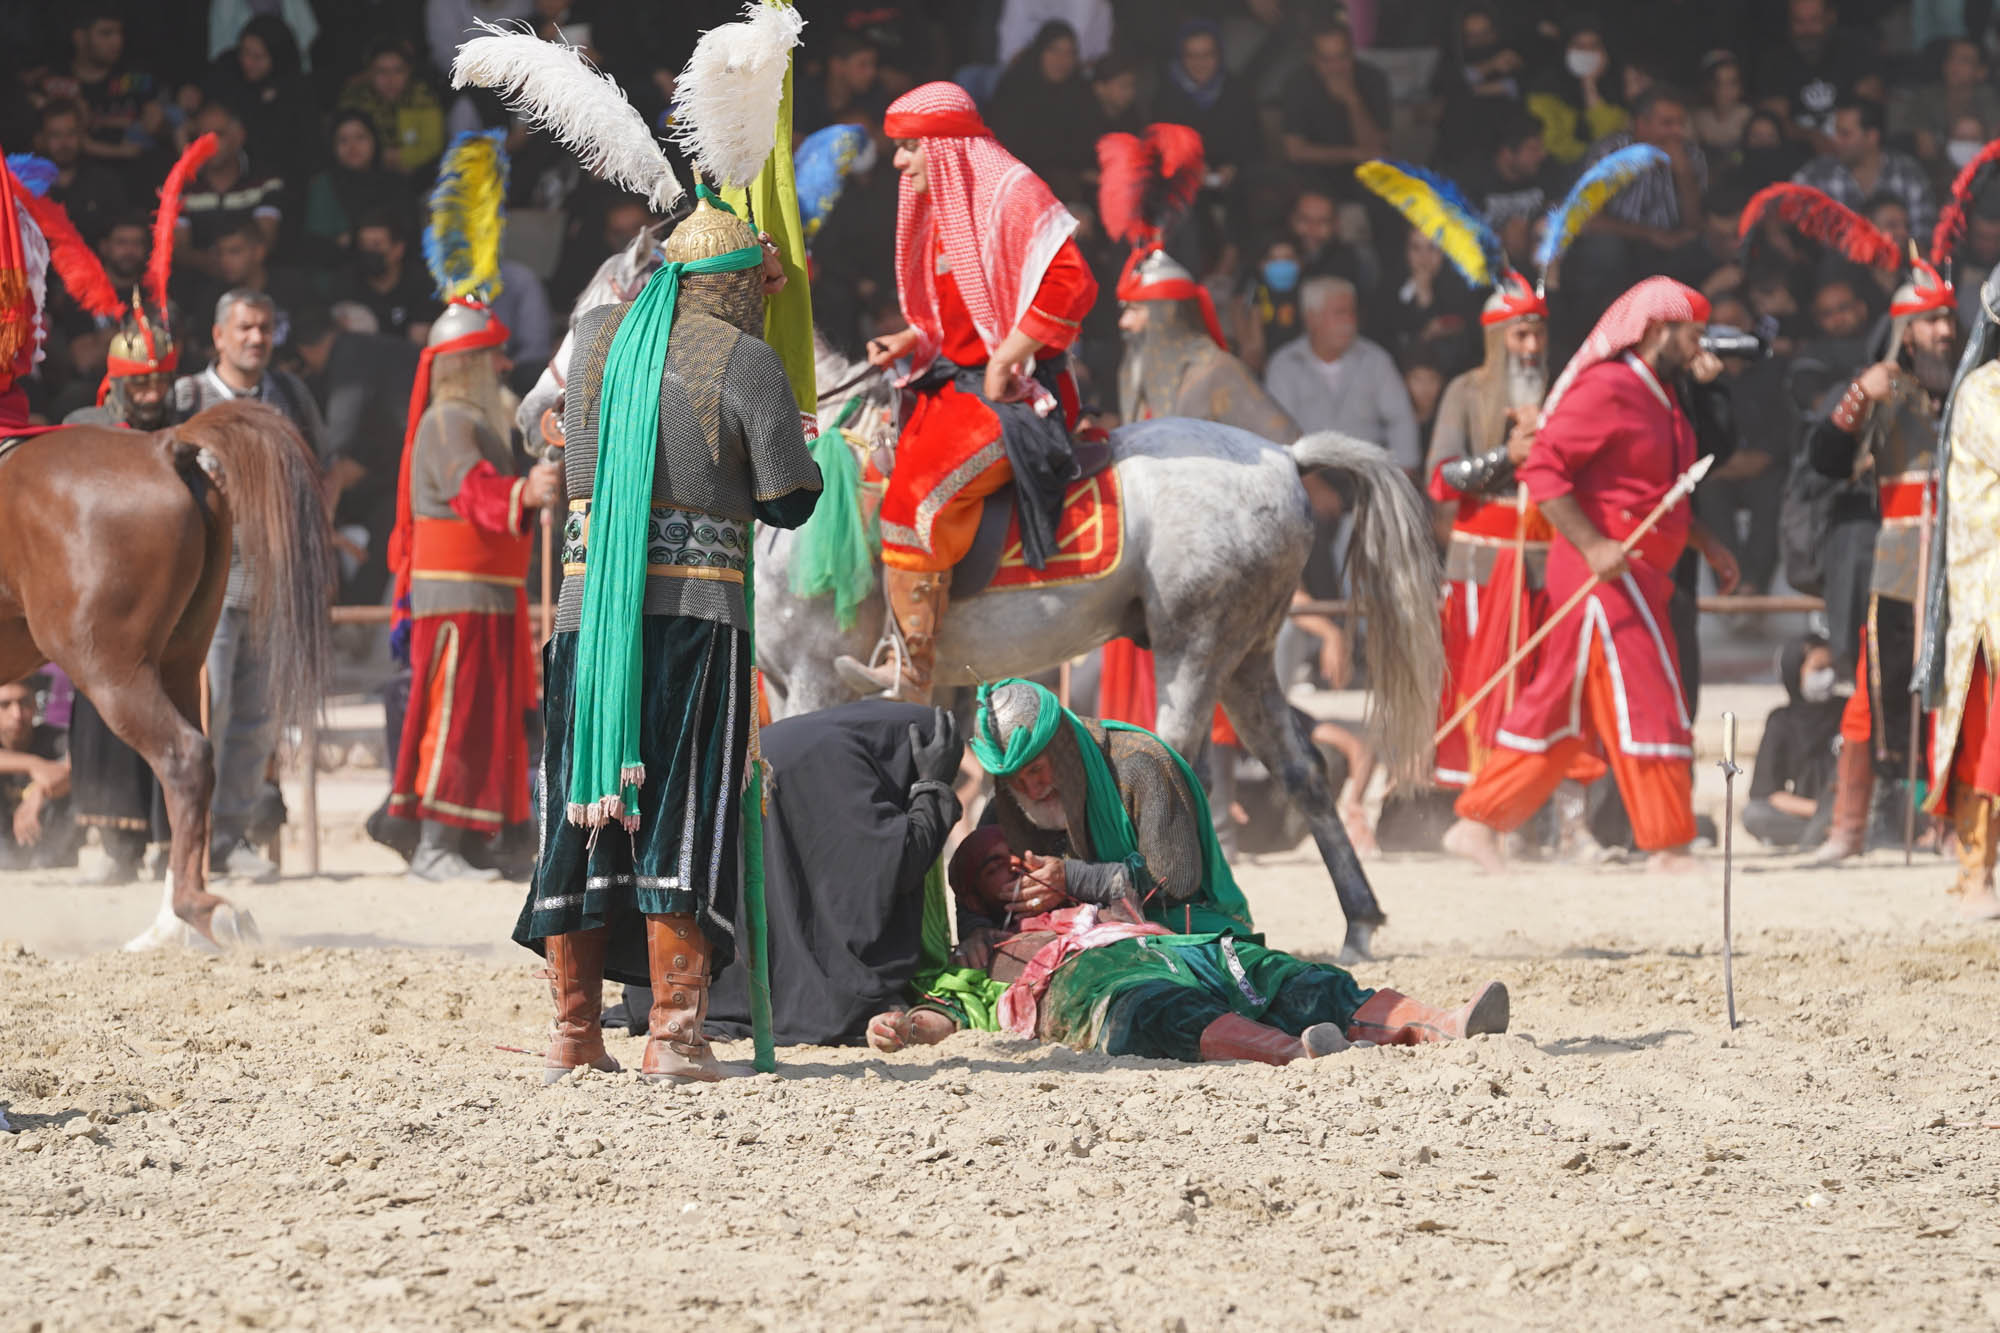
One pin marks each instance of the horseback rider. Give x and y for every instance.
(995, 291)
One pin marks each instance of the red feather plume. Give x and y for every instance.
(1124, 168)
(81, 271)
(1819, 217)
(1179, 161)
(161, 263)
(1951, 218)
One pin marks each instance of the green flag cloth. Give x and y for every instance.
(835, 551)
(1219, 905)
(972, 997)
(606, 771)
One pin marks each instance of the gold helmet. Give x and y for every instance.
(736, 298)
(143, 345)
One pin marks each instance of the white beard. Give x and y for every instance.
(1044, 814)
(1526, 384)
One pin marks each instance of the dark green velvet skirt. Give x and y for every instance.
(694, 719)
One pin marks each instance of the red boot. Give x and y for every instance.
(576, 963)
(1234, 1037)
(1391, 1018)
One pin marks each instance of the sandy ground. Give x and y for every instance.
(322, 1134)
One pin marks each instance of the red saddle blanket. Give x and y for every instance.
(1090, 540)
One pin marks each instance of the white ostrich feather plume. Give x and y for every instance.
(726, 101)
(556, 89)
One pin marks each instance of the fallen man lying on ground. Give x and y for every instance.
(1074, 938)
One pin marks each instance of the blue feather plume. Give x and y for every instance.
(468, 213)
(1439, 209)
(1587, 198)
(33, 171)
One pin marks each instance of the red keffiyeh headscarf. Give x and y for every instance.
(1656, 300)
(997, 223)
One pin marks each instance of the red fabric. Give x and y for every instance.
(493, 335)
(1905, 499)
(491, 502)
(1617, 447)
(1090, 538)
(1928, 291)
(1127, 692)
(998, 225)
(1856, 724)
(1658, 791)
(1655, 300)
(1517, 301)
(18, 316)
(1170, 289)
(464, 754)
(1453, 765)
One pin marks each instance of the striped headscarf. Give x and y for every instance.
(996, 222)
(1656, 300)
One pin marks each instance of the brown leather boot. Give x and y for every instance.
(1390, 1018)
(917, 599)
(576, 976)
(1234, 1037)
(677, 958)
(1853, 796)
(1972, 820)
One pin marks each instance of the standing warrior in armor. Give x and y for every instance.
(995, 292)
(464, 536)
(1884, 423)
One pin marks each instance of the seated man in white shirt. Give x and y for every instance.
(1334, 379)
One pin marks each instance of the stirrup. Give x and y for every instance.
(892, 646)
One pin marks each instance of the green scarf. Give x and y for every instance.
(1219, 906)
(835, 550)
(607, 771)
(967, 994)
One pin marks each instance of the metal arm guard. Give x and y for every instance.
(1481, 474)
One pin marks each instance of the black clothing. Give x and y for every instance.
(94, 198)
(1313, 114)
(1052, 128)
(1811, 84)
(365, 393)
(847, 844)
(1228, 126)
(1797, 754)
(409, 302)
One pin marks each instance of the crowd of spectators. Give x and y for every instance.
(332, 117)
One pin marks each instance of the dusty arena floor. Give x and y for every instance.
(325, 1135)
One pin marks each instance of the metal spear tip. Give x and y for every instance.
(1700, 469)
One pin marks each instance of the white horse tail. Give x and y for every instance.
(1394, 576)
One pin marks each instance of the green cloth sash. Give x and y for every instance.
(606, 771)
(1219, 906)
(969, 995)
(835, 550)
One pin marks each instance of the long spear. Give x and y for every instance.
(1679, 491)
(1729, 772)
(1916, 697)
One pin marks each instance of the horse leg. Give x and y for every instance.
(1263, 720)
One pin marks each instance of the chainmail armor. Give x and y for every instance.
(730, 442)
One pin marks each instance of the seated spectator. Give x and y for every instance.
(1859, 166)
(362, 382)
(1740, 499)
(1583, 102)
(1977, 253)
(1044, 113)
(1840, 333)
(1335, 379)
(1887, 210)
(1517, 183)
(1433, 309)
(1791, 786)
(1023, 22)
(225, 192)
(849, 88)
(242, 257)
(353, 186)
(260, 81)
(123, 115)
(409, 123)
(1925, 116)
(1424, 382)
(523, 306)
(391, 281)
(1724, 112)
(1268, 316)
(1719, 253)
(37, 830)
(1767, 156)
(1648, 223)
(92, 192)
(1201, 93)
(1804, 78)
(1475, 78)
(1114, 82)
(1336, 112)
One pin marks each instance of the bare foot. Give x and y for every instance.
(1978, 904)
(1355, 820)
(1475, 842)
(1672, 861)
(1323, 1039)
(891, 1032)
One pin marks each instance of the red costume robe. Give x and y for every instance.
(950, 457)
(464, 754)
(1608, 681)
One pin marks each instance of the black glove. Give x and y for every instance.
(937, 759)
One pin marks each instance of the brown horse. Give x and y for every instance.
(114, 556)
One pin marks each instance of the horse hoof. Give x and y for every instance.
(234, 928)
(1355, 948)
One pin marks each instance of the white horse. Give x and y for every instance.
(1217, 530)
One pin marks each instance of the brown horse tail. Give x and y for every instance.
(270, 479)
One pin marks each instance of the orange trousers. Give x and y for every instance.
(1659, 793)
(956, 524)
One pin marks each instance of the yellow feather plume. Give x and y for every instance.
(468, 218)
(1434, 207)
